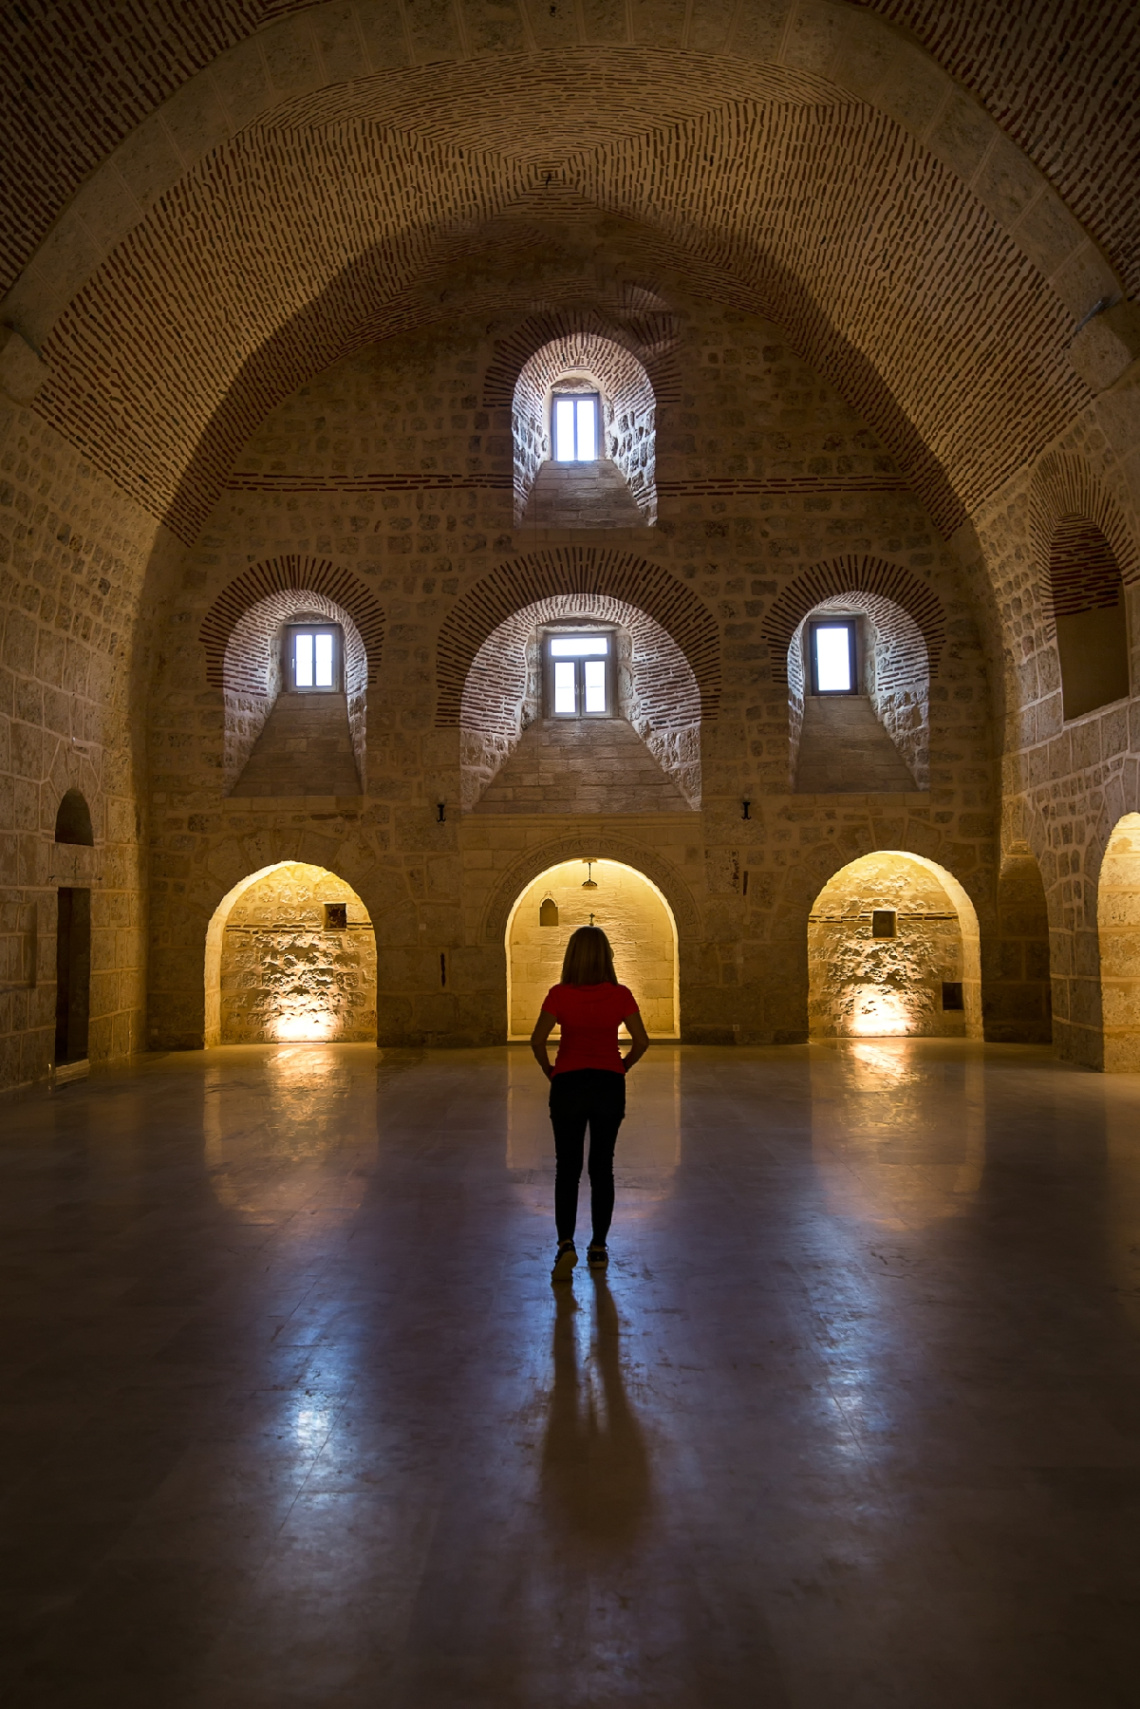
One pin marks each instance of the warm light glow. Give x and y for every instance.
(303, 1026)
(878, 1013)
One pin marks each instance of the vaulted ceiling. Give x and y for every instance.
(354, 171)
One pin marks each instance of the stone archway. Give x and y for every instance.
(893, 951)
(290, 957)
(633, 913)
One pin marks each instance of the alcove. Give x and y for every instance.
(922, 979)
(634, 915)
(612, 484)
(871, 736)
(645, 758)
(1090, 616)
(290, 957)
(1118, 921)
(283, 737)
(73, 820)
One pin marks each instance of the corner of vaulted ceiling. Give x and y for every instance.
(858, 53)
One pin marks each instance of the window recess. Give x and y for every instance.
(833, 656)
(579, 676)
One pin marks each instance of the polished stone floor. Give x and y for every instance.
(292, 1415)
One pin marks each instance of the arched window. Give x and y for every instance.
(295, 681)
(859, 698)
(583, 417)
(624, 684)
(73, 820)
(1088, 608)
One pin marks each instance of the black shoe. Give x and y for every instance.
(564, 1262)
(597, 1257)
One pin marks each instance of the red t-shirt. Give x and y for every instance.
(589, 1016)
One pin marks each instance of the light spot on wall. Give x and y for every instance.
(1118, 918)
(287, 975)
(634, 916)
(863, 984)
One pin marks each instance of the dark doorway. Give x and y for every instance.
(72, 975)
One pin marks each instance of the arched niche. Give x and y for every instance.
(657, 691)
(1089, 612)
(252, 676)
(1017, 991)
(586, 360)
(634, 915)
(893, 951)
(841, 749)
(290, 957)
(73, 820)
(1118, 925)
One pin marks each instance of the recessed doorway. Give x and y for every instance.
(72, 974)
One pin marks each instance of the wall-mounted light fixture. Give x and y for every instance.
(745, 807)
(588, 883)
(440, 813)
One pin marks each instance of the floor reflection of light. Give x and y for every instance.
(272, 1124)
(312, 1426)
(869, 1102)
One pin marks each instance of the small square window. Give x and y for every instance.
(312, 658)
(336, 916)
(952, 996)
(579, 675)
(832, 656)
(884, 923)
(574, 419)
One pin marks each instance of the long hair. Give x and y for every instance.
(589, 960)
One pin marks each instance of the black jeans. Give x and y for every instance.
(597, 1097)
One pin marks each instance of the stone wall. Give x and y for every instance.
(286, 974)
(72, 556)
(1066, 783)
(340, 469)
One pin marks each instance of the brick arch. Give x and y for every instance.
(574, 570)
(1065, 500)
(648, 333)
(853, 573)
(502, 693)
(288, 574)
(528, 867)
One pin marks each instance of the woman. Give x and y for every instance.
(587, 1085)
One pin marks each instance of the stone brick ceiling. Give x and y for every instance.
(884, 268)
(1061, 77)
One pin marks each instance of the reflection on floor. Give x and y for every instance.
(292, 1415)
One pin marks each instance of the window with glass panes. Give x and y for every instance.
(575, 424)
(832, 655)
(312, 658)
(578, 675)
